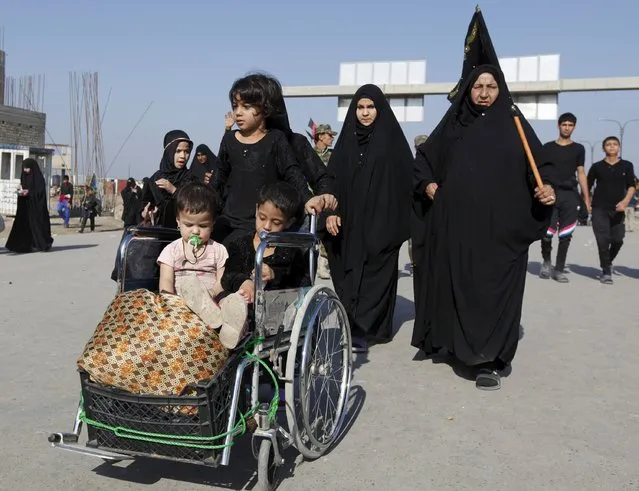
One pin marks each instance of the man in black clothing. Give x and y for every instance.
(615, 179)
(568, 158)
(67, 189)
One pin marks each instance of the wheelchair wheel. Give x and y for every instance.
(266, 467)
(318, 370)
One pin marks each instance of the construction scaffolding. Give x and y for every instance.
(87, 149)
(26, 92)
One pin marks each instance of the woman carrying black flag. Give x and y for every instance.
(371, 165)
(31, 230)
(480, 211)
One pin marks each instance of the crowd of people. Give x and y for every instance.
(470, 202)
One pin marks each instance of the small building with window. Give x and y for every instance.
(11, 158)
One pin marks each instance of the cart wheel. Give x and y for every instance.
(319, 366)
(266, 468)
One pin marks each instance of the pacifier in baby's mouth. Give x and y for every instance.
(195, 240)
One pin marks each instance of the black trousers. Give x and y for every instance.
(83, 223)
(609, 229)
(562, 223)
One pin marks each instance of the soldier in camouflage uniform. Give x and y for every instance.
(419, 139)
(324, 136)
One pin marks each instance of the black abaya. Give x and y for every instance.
(31, 228)
(372, 170)
(471, 242)
(314, 169)
(198, 170)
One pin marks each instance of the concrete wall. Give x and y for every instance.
(21, 127)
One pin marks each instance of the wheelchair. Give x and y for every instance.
(300, 338)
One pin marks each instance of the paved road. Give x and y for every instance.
(567, 417)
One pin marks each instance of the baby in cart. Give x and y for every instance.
(216, 284)
(193, 265)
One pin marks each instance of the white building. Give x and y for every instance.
(11, 158)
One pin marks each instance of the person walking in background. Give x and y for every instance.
(615, 180)
(132, 202)
(568, 158)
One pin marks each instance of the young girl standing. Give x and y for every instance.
(251, 157)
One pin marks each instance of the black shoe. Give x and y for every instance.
(488, 380)
(546, 270)
(560, 277)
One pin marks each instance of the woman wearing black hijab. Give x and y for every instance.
(159, 190)
(314, 169)
(204, 162)
(371, 165)
(478, 211)
(31, 228)
(131, 196)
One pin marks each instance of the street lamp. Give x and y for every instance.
(622, 129)
(592, 149)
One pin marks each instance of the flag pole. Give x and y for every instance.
(524, 141)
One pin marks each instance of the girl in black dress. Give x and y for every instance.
(251, 157)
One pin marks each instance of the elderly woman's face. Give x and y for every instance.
(485, 90)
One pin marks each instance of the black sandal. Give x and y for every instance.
(488, 380)
(359, 345)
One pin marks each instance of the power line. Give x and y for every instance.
(129, 136)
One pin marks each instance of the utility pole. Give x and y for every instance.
(622, 130)
(592, 149)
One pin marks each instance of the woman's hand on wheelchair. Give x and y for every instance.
(148, 214)
(330, 202)
(315, 205)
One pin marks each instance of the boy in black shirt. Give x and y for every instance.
(615, 179)
(568, 157)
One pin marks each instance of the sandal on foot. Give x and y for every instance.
(488, 380)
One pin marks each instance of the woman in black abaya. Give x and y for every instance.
(480, 211)
(31, 228)
(371, 165)
(314, 169)
(159, 190)
(204, 162)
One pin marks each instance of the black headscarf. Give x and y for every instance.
(178, 177)
(312, 165)
(34, 180)
(279, 119)
(198, 170)
(372, 170)
(167, 165)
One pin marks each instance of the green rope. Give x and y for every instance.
(187, 440)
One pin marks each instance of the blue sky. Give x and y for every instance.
(184, 57)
